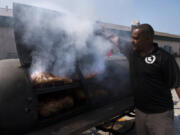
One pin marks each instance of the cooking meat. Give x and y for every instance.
(90, 75)
(51, 106)
(44, 77)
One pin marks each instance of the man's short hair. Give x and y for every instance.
(146, 28)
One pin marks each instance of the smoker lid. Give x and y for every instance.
(31, 26)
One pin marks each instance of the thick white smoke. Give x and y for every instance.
(59, 40)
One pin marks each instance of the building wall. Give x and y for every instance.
(6, 12)
(171, 46)
(7, 43)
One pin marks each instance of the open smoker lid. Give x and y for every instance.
(34, 31)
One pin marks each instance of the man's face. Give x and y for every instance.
(139, 40)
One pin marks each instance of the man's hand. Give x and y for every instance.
(178, 91)
(114, 39)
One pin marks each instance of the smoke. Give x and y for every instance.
(59, 40)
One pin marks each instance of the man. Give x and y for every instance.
(153, 72)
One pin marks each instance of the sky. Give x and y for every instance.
(163, 15)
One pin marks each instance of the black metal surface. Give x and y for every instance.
(83, 84)
(18, 104)
(88, 119)
(50, 89)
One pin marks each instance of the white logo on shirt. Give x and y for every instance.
(150, 60)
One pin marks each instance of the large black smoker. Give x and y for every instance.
(19, 99)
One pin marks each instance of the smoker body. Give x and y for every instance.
(19, 107)
(17, 101)
(20, 100)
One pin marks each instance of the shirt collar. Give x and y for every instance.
(153, 50)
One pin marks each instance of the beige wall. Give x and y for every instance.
(175, 45)
(7, 43)
(6, 12)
